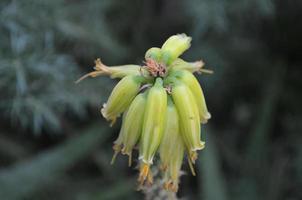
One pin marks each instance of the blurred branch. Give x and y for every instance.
(12, 149)
(233, 158)
(27, 177)
(277, 177)
(89, 35)
(213, 183)
(259, 136)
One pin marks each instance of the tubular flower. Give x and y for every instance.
(113, 72)
(171, 134)
(171, 149)
(163, 106)
(175, 46)
(153, 126)
(189, 117)
(131, 126)
(196, 66)
(192, 83)
(154, 53)
(121, 97)
(172, 173)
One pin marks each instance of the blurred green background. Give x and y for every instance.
(54, 144)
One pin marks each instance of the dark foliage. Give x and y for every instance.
(50, 144)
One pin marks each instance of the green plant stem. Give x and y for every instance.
(256, 149)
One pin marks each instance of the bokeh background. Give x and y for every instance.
(54, 144)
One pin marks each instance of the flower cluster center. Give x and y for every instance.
(155, 68)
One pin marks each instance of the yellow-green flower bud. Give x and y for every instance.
(154, 53)
(175, 46)
(173, 171)
(113, 71)
(171, 134)
(121, 97)
(180, 64)
(189, 117)
(153, 126)
(191, 82)
(132, 124)
(118, 143)
(171, 148)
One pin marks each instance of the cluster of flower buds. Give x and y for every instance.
(162, 106)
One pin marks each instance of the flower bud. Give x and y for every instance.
(113, 71)
(180, 64)
(174, 168)
(189, 117)
(190, 81)
(121, 97)
(175, 46)
(171, 134)
(197, 66)
(153, 126)
(118, 143)
(171, 148)
(132, 124)
(154, 53)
